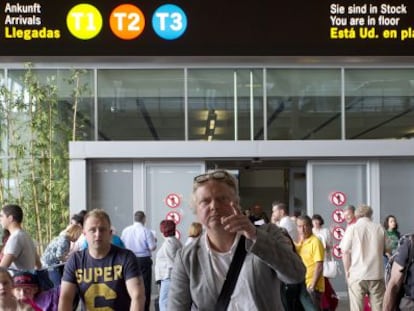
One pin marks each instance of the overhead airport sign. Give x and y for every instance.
(206, 28)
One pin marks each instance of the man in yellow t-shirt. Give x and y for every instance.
(312, 252)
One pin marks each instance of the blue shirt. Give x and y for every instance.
(139, 239)
(116, 240)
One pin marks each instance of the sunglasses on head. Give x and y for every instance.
(217, 175)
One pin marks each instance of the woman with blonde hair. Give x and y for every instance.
(56, 253)
(194, 232)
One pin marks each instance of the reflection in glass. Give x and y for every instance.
(303, 104)
(228, 103)
(211, 104)
(379, 103)
(111, 188)
(66, 87)
(250, 104)
(141, 105)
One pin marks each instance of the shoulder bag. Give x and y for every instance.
(232, 276)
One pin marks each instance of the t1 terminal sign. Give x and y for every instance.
(206, 28)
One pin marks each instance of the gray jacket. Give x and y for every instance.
(164, 261)
(268, 261)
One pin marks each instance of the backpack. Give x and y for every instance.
(406, 268)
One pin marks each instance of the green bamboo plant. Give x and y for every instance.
(34, 151)
(78, 89)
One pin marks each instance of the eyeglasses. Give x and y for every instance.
(217, 175)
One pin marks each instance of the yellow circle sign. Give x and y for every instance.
(84, 21)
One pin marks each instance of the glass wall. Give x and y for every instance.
(111, 188)
(211, 104)
(249, 97)
(233, 103)
(74, 94)
(141, 105)
(396, 192)
(303, 104)
(323, 182)
(379, 103)
(41, 111)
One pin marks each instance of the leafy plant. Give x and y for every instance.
(36, 132)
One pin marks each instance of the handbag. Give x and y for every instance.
(330, 268)
(232, 276)
(44, 281)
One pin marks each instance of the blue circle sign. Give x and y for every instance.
(169, 22)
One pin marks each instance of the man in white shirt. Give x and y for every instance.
(363, 246)
(280, 217)
(201, 268)
(142, 242)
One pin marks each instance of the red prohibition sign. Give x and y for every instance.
(338, 198)
(336, 251)
(174, 216)
(338, 233)
(338, 215)
(173, 200)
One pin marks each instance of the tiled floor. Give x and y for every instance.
(343, 305)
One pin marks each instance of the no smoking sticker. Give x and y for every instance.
(173, 200)
(338, 233)
(338, 216)
(174, 216)
(338, 198)
(336, 251)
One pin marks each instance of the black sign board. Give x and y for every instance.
(207, 28)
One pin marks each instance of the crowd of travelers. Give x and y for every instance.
(232, 260)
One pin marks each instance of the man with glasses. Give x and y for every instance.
(201, 268)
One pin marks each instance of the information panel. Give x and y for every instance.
(207, 28)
